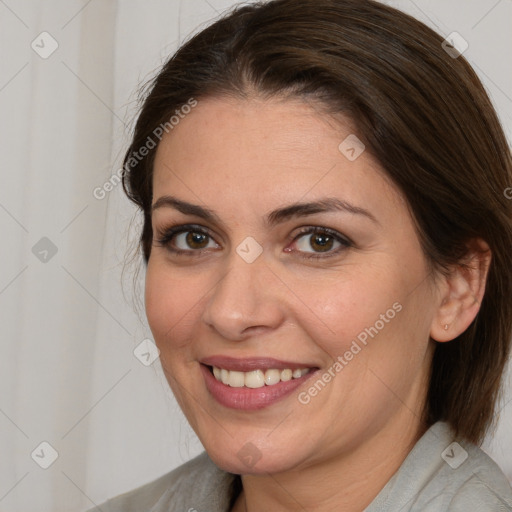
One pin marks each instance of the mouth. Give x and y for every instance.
(254, 383)
(256, 378)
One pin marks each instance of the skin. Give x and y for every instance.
(243, 159)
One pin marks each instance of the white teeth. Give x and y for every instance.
(236, 379)
(254, 379)
(257, 378)
(272, 377)
(286, 375)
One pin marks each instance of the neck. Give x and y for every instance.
(348, 482)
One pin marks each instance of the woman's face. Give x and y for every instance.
(257, 286)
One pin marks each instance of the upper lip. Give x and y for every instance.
(251, 363)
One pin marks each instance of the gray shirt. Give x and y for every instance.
(438, 475)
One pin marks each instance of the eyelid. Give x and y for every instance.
(322, 229)
(177, 225)
(167, 234)
(344, 241)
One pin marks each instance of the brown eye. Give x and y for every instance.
(188, 240)
(196, 240)
(315, 241)
(321, 242)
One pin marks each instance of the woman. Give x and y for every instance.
(327, 242)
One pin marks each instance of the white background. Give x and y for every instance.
(68, 375)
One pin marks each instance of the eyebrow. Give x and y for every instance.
(328, 204)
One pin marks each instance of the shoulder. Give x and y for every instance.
(198, 480)
(481, 486)
(442, 474)
(478, 494)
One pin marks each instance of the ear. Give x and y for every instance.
(461, 293)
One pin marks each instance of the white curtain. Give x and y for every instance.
(74, 398)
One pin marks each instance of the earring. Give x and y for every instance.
(445, 327)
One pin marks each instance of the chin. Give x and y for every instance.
(259, 457)
(250, 462)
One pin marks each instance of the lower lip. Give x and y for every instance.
(250, 399)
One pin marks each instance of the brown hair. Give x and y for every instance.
(424, 115)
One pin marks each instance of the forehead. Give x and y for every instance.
(259, 152)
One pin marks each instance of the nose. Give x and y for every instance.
(245, 301)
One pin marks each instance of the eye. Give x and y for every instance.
(186, 239)
(320, 242)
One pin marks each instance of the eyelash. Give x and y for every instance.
(166, 236)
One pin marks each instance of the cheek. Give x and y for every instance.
(170, 312)
(170, 306)
(389, 322)
(158, 302)
(349, 305)
(375, 316)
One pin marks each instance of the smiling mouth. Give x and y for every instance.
(256, 378)
(253, 383)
